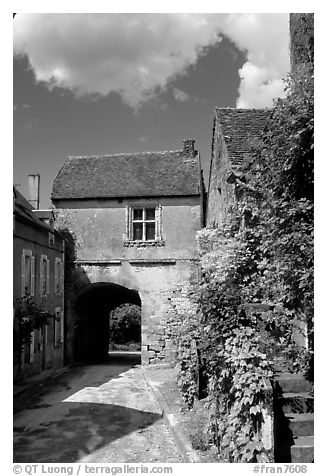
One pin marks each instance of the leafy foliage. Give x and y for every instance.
(70, 253)
(125, 324)
(30, 317)
(264, 254)
(188, 360)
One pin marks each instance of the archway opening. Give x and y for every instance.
(125, 328)
(93, 306)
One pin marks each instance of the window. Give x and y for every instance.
(59, 276)
(58, 327)
(143, 225)
(27, 273)
(44, 275)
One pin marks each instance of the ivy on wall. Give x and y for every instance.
(30, 317)
(264, 254)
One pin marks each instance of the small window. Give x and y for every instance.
(144, 224)
(27, 273)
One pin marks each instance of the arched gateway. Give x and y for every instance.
(133, 218)
(92, 307)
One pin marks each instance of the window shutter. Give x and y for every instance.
(55, 330)
(41, 339)
(56, 326)
(127, 237)
(130, 224)
(62, 327)
(48, 276)
(41, 276)
(23, 273)
(157, 235)
(32, 345)
(62, 276)
(46, 334)
(56, 276)
(32, 275)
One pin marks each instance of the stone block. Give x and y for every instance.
(169, 344)
(170, 355)
(154, 342)
(155, 347)
(145, 359)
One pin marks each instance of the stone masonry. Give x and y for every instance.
(96, 199)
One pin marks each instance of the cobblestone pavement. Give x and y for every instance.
(97, 413)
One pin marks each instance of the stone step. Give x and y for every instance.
(303, 450)
(301, 424)
(288, 382)
(302, 402)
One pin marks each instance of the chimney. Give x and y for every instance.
(34, 190)
(188, 148)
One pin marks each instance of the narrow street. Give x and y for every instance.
(95, 413)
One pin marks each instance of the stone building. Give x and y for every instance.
(235, 132)
(301, 40)
(38, 262)
(132, 219)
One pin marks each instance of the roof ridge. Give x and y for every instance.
(100, 156)
(242, 109)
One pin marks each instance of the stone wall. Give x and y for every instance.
(36, 240)
(301, 39)
(221, 194)
(163, 275)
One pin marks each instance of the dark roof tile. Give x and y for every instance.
(240, 129)
(169, 173)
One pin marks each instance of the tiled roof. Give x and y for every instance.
(240, 129)
(20, 201)
(170, 173)
(24, 210)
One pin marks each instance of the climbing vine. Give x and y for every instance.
(30, 317)
(264, 254)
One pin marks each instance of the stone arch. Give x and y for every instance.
(91, 308)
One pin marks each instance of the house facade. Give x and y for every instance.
(235, 132)
(38, 272)
(132, 219)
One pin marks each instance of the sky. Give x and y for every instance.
(86, 83)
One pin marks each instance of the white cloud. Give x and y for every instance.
(180, 95)
(265, 39)
(136, 55)
(258, 87)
